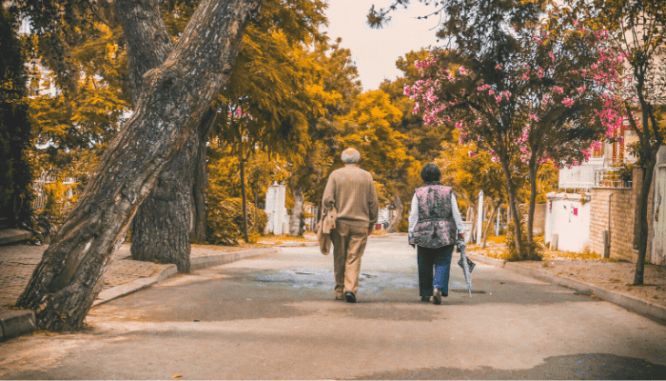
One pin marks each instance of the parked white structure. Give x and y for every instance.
(278, 217)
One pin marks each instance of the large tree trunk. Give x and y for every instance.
(511, 193)
(199, 186)
(243, 197)
(496, 205)
(173, 100)
(530, 214)
(650, 157)
(296, 212)
(393, 225)
(162, 226)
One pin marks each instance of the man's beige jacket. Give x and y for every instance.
(351, 191)
(323, 230)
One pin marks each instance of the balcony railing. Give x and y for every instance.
(611, 177)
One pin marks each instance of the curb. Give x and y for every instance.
(196, 263)
(16, 323)
(628, 302)
(14, 235)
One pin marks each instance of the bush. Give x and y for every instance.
(512, 254)
(225, 220)
(403, 226)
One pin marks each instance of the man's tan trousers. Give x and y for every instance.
(348, 247)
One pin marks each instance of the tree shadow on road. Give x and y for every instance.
(585, 366)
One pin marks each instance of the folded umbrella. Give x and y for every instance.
(466, 265)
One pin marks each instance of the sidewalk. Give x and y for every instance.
(604, 279)
(122, 276)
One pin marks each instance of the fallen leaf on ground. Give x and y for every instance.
(177, 375)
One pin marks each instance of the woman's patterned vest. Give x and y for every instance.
(436, 226)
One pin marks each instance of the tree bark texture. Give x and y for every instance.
(200, 184)
(296, 212)
(243, 197)
(173, 100)
(161, 228)
(393, 225)
(530, 214)
(511, 194)
(643, 220)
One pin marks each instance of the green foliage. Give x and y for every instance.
(225, 218)
(60, 200)
(512, 254)
(370, 124)
(403, 226)
(15, 128)
(335, 84)
(469, 172)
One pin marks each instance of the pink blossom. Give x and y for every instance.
(498, 98)
(525, 77)
(471, 153)
(498, 67)
(459, 125)
(558, 89)
(534, 117)
(491, 92)
(482, 88)
(568, 102)
(406, 90)
(463, 71)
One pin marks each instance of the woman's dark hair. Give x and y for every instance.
(430, 173)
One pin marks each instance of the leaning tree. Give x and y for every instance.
(173, 100)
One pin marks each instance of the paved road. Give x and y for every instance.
(274, 317)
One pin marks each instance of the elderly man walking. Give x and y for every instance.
(352, 192)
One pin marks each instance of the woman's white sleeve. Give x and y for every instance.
(413, 214)
(456, 214)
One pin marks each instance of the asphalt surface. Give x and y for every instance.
(275, 317)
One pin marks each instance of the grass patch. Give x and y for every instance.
(278, 239)
(569, 255)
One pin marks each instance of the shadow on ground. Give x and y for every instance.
(588, 366)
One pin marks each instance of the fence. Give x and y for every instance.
(611, 177)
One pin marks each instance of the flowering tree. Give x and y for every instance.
(543, 98)
(637, 30)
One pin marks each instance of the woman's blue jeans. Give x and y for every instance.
(440, 259)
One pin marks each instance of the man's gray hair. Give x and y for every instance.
(350, 156)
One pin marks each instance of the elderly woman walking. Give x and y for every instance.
(434, 224)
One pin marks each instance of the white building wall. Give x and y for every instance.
(570, 220)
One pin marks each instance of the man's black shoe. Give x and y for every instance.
(351, 298)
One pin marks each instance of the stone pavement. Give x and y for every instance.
(275, 317)
(122, 276)
(17, 263)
